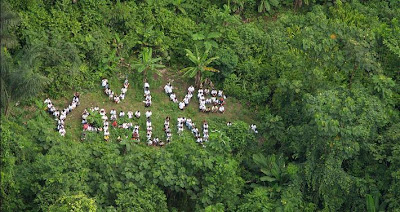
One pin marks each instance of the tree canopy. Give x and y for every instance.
(319, 78)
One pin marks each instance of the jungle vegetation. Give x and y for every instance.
(320, 78)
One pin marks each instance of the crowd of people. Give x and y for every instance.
(113, 119)
(182, 122)
(62, 115)
(147, 94)
(91, 127)
(217, 100)
(192, 127)
(168, 88)
(113, 96)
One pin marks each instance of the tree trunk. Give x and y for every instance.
(198, 79)
(298, 4)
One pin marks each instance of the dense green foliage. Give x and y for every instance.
(320, 78)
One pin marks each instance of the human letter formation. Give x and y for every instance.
(206, 96)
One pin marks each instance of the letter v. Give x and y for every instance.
(111, 94)
(172, 96)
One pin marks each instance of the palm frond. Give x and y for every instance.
(211, 69)
(210, 60)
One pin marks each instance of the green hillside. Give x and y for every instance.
(319, 79)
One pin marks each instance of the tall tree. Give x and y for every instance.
(17, 81)
(201, 62)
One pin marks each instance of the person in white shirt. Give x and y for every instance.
(191, 89)
(205, 137)
(147, 103)
(172, 96)
(148, 113)
(220, 93)
(102, 112)
(146, 85)
(166, 122)
(73, 105)
(137, 114)
(169, 135)
(113, 112)
(148, 123)
(70, 108)
(107, 91)
(62, 131)
(130, 114)
(180, 120)
(85, 115)
(205, 125)
(202, 108)
(47, 101)
(52, 109)
(168, 88)
(123, 90)
(229, 124)
(189, 124)
(214, 92)
(76, 100)
(104, 82)
(126, 83)
(111, 95)
(156, 141)
(121, 113)
(199, 94)
(146, 92)
(195, 130)
(122, 96)
(56, 113)
(181, 105)
(214, 108)
(206, 91)
(60, 122)
(186, 100)
(148, 97)
(221, 109)
(254, 128)
(116, 99)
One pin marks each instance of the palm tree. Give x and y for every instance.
(8, 20)
(17, 81)
(147, 62)
(201, 65)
